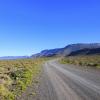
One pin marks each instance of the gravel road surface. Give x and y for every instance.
(69, 82)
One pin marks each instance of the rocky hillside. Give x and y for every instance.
(95, 51)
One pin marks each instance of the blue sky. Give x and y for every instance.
(29, 26)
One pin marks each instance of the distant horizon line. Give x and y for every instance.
(46, 49)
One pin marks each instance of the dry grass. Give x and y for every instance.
(16, 75)
(93, 61)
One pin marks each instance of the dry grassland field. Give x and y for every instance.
(16, 75)
(92, 61)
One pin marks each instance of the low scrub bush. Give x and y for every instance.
(16, 75)
(93, 61)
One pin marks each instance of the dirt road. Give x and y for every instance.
(68, 82)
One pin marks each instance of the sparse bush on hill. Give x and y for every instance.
(93, 60)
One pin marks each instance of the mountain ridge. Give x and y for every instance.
(94, 51)
(13, 57)
(67, 50)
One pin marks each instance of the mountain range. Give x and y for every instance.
(13, 57)
(69, 50)
(80, 48)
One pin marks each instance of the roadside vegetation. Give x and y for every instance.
(16, 75)
(93, 60)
